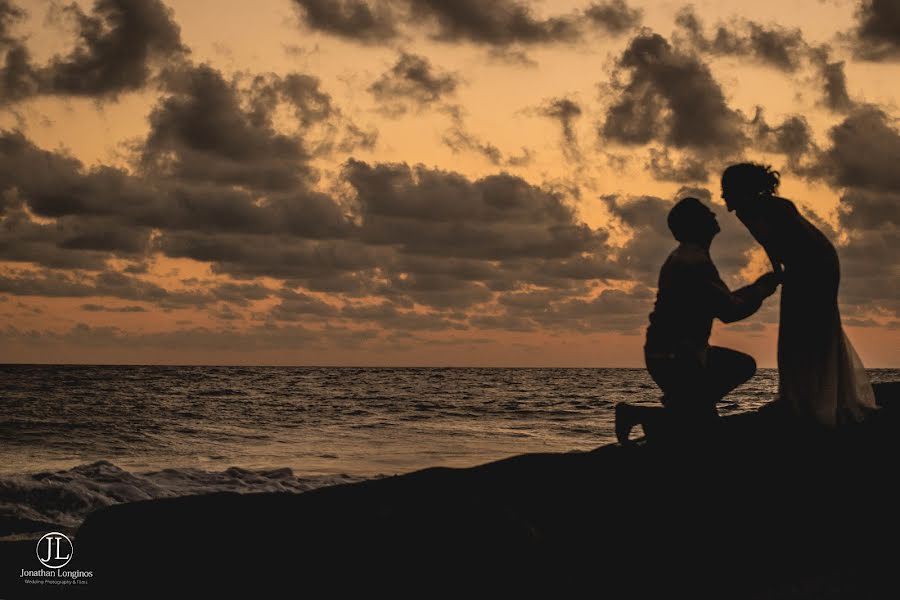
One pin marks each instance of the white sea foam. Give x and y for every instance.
(62, 499)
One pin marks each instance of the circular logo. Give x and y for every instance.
(55, 550)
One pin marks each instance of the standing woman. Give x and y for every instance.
(820, 376)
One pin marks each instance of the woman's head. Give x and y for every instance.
(744, 182)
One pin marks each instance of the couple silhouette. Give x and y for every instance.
(820, 377)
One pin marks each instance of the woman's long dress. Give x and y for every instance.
(819, 373)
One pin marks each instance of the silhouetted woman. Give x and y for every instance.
(820, 376)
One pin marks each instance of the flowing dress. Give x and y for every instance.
(820, 375)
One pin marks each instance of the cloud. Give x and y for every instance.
(496, 24)
(249, 341)
(200, 131)
(864, 153)
(412, 83)
(18, 78)
(102, 308)
(792, 138)
(57, 186)
(119, 46)
(296, 306)
(240, 294)
(282, 257)
(876, 36)
(78, 284)
(429, 211)
(686, 169)
(118, 43)
(570, 310)
(771, 45)
(651, 241)
(511, 56)
(671, 97)
(614, 16)
(459, 139)
(357, 20)
(834, 87)
(565, 111)
(861, 162)
(386, 315)
(209, 129)
(9, 14)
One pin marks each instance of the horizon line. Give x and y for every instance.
(339, 366)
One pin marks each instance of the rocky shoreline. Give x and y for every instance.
(763, 509)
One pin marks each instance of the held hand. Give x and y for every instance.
(768, 283)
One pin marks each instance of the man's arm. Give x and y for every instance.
(734, 306)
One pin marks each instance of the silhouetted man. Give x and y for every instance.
(693, 375)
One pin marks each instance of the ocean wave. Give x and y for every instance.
(61, 500)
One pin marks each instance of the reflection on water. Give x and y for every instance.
(358, 421)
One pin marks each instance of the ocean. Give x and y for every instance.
(74, 438)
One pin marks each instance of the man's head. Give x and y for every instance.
(691, 221)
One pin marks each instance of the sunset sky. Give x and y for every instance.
(423, 182)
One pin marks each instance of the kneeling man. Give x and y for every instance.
(693, 375)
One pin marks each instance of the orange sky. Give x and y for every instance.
(498, 103)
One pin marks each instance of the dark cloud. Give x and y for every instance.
(300, 91)
(459, 139)
(611, 310)
(614, 16)
(793, 138)
(54, 185)
(208, 129)
(686, 169)
(511, 56)
(9, 14)
(651, 241)
(251, 341)
(412, 83)
(565, 111)
(103, 308)
(296, 306)
(498, 23)
(118, 44)
(576, 309)
(429, 211)
(357, 20)
(25, 240)
(240, 294)
(78, 284)
(772, 45)
(864, 153)
(386, 315)
(201, 131)
(877, 33)
(18, 78)
(283, 257)
(835, 96)
(671, 97)
(862, 162)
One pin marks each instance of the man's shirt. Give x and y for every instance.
(690, 295)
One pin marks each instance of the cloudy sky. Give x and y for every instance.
(423, 182)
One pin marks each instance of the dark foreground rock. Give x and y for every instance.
(765, 509)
